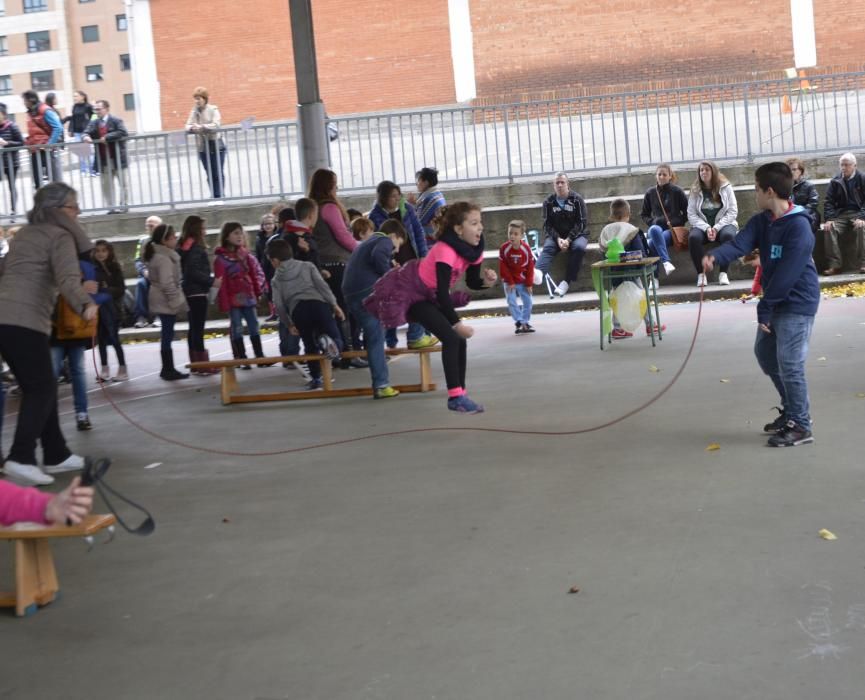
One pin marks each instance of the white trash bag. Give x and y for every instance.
(539, 277)
(628, 302)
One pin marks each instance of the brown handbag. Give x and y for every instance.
(69, 325)
(679, 233)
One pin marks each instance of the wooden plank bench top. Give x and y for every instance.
(36, 581)
(230, 394)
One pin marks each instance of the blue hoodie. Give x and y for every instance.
(789, 277)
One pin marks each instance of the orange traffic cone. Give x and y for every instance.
(786, 106)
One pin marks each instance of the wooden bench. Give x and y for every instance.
(230, 392)
(35, 577)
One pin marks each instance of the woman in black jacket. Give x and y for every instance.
(197, 281)
(82, 113)
(665, 206)
(10, 137)
(109, 277)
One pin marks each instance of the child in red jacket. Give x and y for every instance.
(517, 270)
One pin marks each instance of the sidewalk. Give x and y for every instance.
(673, 294)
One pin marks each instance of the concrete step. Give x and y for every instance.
(496, 306)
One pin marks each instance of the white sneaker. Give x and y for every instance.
(26, 474)
(70, 464)
(723, 279)
(304, 372)
(562, 289)
(701, 280)
(669, 267)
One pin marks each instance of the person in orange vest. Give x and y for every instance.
(44, 129)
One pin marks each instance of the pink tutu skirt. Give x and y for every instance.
(394, 293)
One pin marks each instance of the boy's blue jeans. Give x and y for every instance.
(288, 344)
(236, 317)
(781, 354)
(373, 336)
(415, 332)
(75, 353)
(512, 294)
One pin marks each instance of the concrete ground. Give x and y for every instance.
(439, 564)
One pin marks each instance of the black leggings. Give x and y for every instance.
(109, 335)
(454, 356)
(197, 317)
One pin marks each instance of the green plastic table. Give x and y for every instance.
(603, 274)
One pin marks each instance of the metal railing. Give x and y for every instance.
(621, 132)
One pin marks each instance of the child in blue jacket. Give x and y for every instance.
(791, 295)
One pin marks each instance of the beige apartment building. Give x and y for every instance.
(65, 45)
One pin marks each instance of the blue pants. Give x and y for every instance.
(512, 294)
(313, 318)
(237, 315)
(75, 353)
(576, 251)
(659, 239)
(213, 163)
(373, 335)
(781, 354)
(142, 303)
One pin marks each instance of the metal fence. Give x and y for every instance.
(621, 132)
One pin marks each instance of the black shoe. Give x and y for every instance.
(792, 435)
(776, 425)
(172, 375)
(358, 363)
(84, 424)
(527, 328)
(518, 330)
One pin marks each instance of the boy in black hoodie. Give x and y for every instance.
(791, 294)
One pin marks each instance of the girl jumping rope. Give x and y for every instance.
(420, 291)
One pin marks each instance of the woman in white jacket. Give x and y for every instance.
(712, 211)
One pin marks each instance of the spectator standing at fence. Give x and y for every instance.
(112, 163)
(166, 294)
(712, 212)
(335, 244)
(205, 121)
(43, 259)
(391, 205)
(566, 222)
(665, 206)
(428, 200)
(10, 137)
(44, 130)
(79, 120)
(109, 277)
(844, 211)
(197, 281)
(142, 314)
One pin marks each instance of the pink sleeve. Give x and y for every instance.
(333, 218)
(18, 504)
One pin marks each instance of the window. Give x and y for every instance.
(125, 63)
(4, 48)
(5, 84)
(129, 102)
(42, 80)
(120, 20)
(90, 33)
(35, 5)
(38, 41)
(93, 73)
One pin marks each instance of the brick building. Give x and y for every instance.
(378, 55)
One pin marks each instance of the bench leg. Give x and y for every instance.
(326, 373)
(35, 577)
(425, 372)
(229, 384)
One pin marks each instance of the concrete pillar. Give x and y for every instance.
(804, 38)
(462, 49)
(145, 83)
(310, 108)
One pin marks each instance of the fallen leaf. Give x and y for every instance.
(827, 535)
(226, 520)
(713, 447)
(860, 395)
(725, 381)
(652, 368)
(821, 359)
(572, 590)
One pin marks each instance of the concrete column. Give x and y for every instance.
(310, 108)
(804, 38)
(142, 56)
(462, 49)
